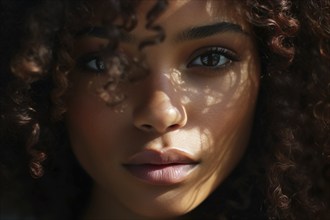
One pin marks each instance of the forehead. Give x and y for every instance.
(183, 12)
(194, 9)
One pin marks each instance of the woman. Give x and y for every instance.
(126, 113)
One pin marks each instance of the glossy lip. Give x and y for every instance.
(167, 167)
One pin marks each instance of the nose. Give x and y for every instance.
(160, 110)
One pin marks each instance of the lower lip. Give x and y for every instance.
(161, 174)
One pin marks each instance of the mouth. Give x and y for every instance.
(161, 168)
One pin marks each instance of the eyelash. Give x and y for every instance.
(212, 58)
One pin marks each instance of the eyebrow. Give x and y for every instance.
(192, 33)
(199, 32)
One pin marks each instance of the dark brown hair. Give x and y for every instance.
(284, 175)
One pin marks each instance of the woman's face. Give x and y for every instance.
(182, 127)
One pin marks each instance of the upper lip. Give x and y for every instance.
(166, 157)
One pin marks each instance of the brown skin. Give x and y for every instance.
(204, 111)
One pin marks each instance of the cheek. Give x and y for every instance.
(88, 117)
(226, 123)
(84, 131)
(83, 113)
(232, 117)
(90, 128)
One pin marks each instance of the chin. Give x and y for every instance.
(163, 212)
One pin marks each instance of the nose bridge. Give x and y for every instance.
(161, 65)
(161, 84)
(160, 109)
(160, 81)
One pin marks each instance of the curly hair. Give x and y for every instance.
(285, 173)
(297, 171)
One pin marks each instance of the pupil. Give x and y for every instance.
(100, 64)
(211, 59)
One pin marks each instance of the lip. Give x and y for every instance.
(161, 167)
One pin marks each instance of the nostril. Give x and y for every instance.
(146, 127)
(173, 127)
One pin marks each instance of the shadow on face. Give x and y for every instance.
(194, 92)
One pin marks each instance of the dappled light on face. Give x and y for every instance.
(232, 99)
(232, 87)
(185, 100)
(211, 98)
(215, 7)
(247, 79)
(223, 158)
(110, 84)
(210, 7)
(214, 95)
(145, 6)
(198, 190)
(176, 77)
(192, 93)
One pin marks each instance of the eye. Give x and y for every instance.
(96, 64)
(214, 57)
(92, 63)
